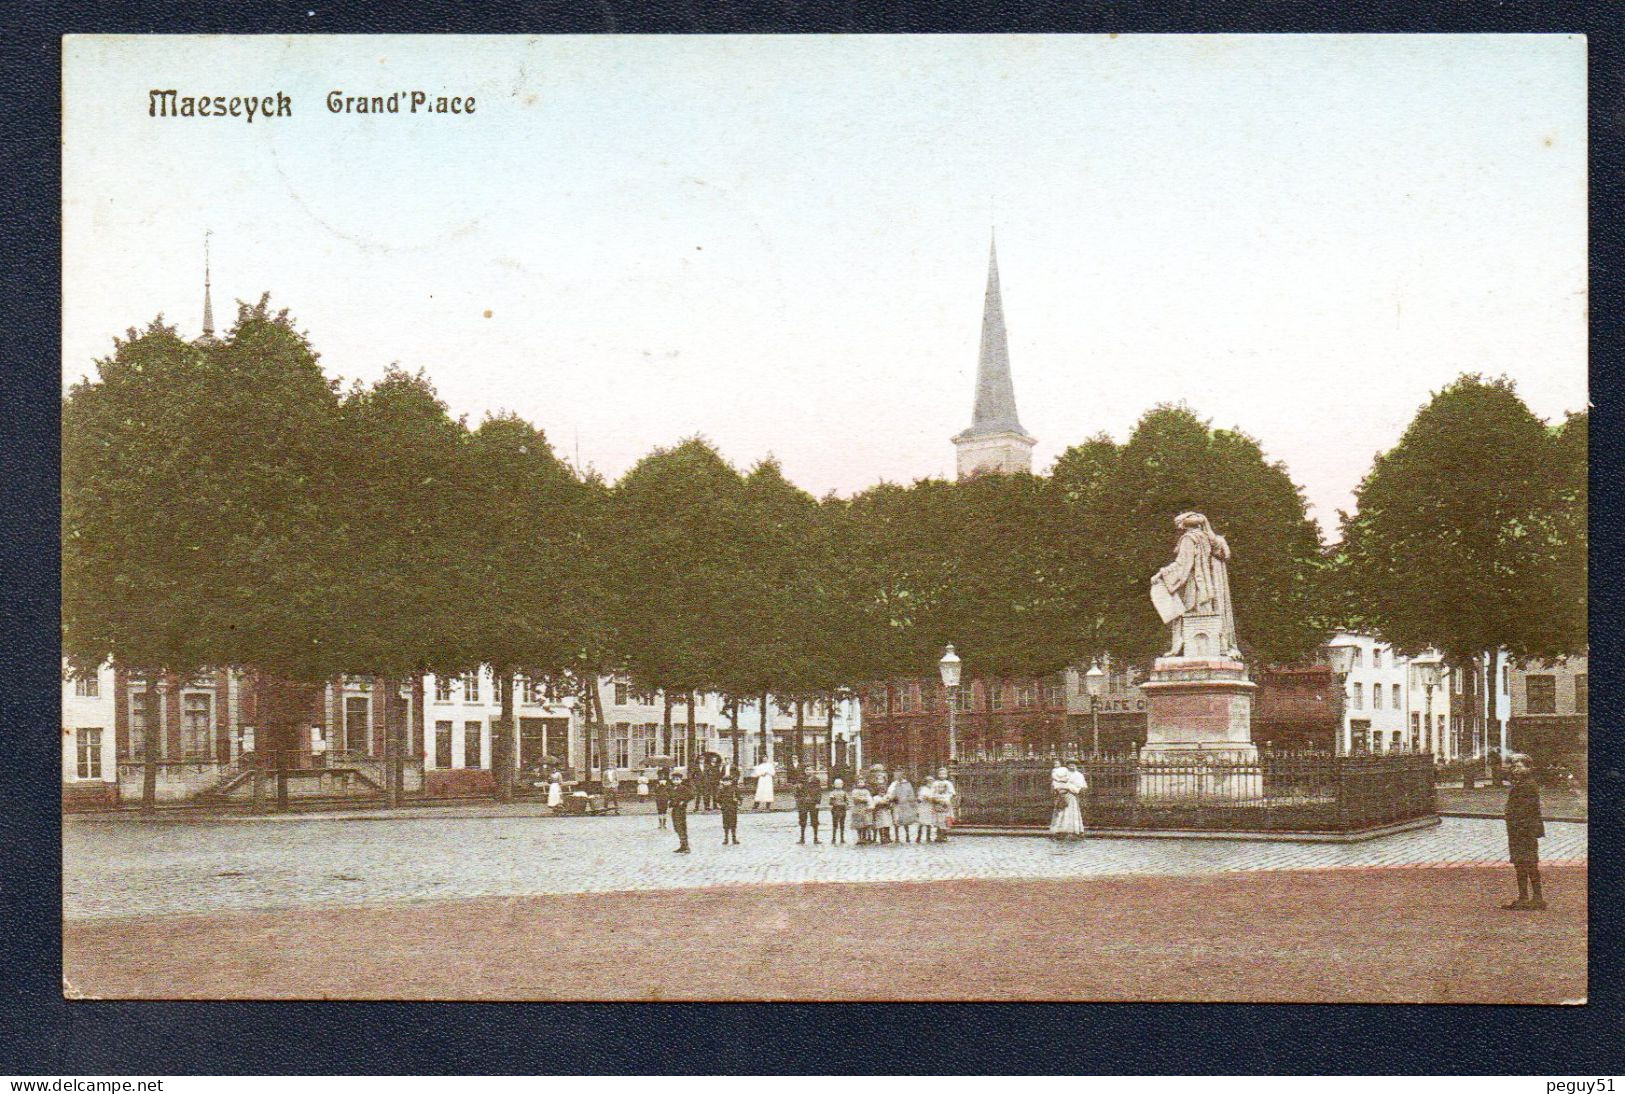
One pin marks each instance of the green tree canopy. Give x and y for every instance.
(198, 482)
(1468, 535)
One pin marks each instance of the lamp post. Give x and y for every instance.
(1093, 680)
(949, 666)
(1429, 671)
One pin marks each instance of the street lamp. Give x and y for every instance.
(949, 667)
(1093, 682)
(1429, 672)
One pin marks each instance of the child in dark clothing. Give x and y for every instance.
(839, 800)
(728, 799)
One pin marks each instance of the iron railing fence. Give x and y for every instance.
(1286, 791)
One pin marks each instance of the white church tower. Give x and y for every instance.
(995, 441)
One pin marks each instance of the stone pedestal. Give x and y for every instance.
(1199, 728)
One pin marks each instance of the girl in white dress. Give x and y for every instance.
(764, 787)
(1068, 823)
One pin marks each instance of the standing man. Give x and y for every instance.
(1524, 830)
(612, 791)
(728, 799)
(710, 770)
(808, 796)
(681, 794)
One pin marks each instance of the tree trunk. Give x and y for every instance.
(502, 734)
(151, 714)
(733, 716)
(665, 725)
(595, 728)
(692, 743)
(801, 734)
(1492, 672)
(767, 739)
(384, 711)
(416, 720)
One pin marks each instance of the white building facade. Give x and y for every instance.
(1391, 703)
(89, 745)
(459, 717)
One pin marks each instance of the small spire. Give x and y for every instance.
(208, 304)
(995, 409)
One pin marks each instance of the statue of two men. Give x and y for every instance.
(1192, 593)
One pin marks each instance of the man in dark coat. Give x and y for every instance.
(728, 799)
(681, 794)
(1524, 830)
(808, 796)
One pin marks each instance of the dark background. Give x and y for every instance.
(43, 1035)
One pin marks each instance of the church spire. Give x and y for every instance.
(995, 440)
(208, 304)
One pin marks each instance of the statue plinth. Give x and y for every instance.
(1199, 728)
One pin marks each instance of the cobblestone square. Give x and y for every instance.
(178, 866)
(381, 906)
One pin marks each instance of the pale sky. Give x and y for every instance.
(781, 243)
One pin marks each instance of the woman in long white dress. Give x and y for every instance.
(764, 787)
(1069, 783)
(555, 791)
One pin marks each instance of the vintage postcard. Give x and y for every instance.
(976, 517)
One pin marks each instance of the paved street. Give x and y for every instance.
(116, 867)
(1416, 935)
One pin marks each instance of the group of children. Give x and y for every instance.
(882, 810)
(898, 811)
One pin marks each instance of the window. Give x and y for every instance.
(648, 736)
(442, 745)
(87, 687)
(623, 693)
(138, 724)
(1359, 697)
(1582, 700)
(620, 750)
(1398, 702)
(442, 689)
(1025, 695)
(1054, 692)
(1376, 740)
(1357, 658)
(964, 698)
(88, 745)
(195, 710)
(1416, 731)
(996, 696)
(471, 744)
(1506, 679)
(1376, 696)
(471, 687)
(1376, 657)
(1396, 742)
(357, 715)
(1540, 694)
(1456, 676)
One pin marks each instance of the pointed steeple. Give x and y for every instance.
(996, 439)
(208, 304)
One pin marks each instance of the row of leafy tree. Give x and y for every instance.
(226, 503)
